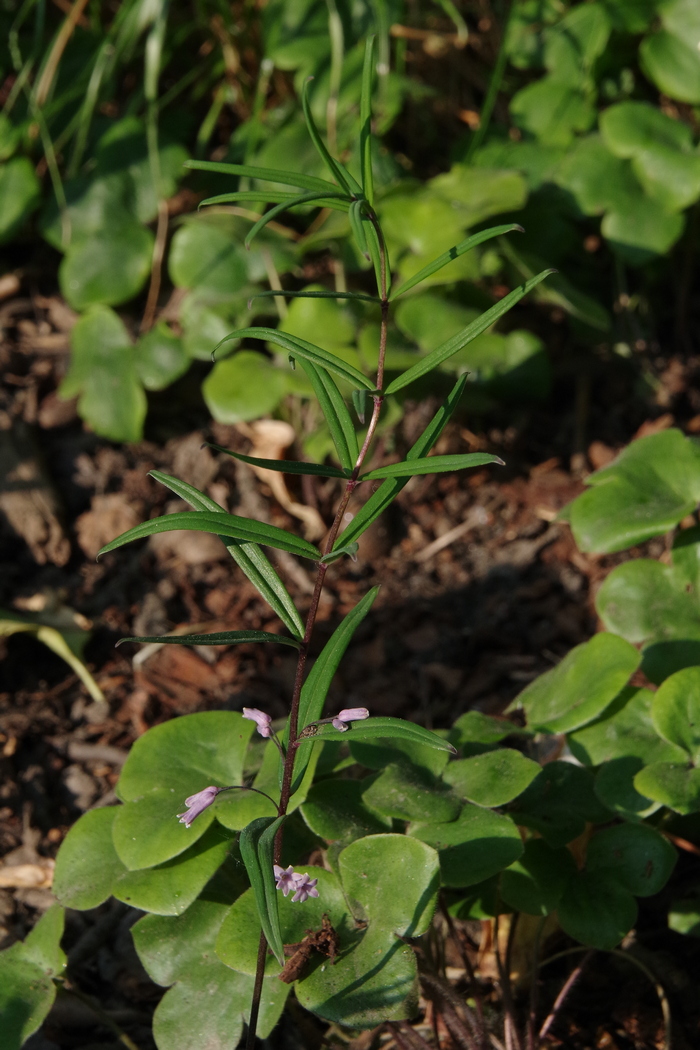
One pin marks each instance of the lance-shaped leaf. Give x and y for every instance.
(366, 121)
(315, 688)
(336, 414)
(339, 173)
(251, 171)
(374, 728)
(285, 466)
(302, 198)
(221, 524)
(315, 295)
(217, 638)
(453, 253)
(358, 230)
(300, 348)
(257, 843)
(248, 556)
(375, 251)
(274, 197)
(432, 465)
(389, 489)
(459, 341)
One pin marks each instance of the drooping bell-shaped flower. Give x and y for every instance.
(347, 715)
(262, 721)
(196, 804)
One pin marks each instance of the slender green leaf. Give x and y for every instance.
(257, 843)
(302, 198)
(389, 489)
(217, 638)
(273, 197)
(453, 253)
(366, 121)
(248, 556)
(285, 466)
(315, 295)
(375, 252)
(221, 524)
(350, 549)
(432, 465)
(358, 230)
(335, 412)
(316, 686)
(359, 401)
(300, 348)
(459, 341)
(340, 174)
(288, 178)
(374, 728)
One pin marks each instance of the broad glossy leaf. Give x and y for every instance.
(375, 978)
(315, 688)
(432, 465)
(581, 686)
(284, 466)
(187, 754)
(475, 194)
(221, 524)
(300, 348)
(27, 994)
(676, 711)
(248, 556)
(553, 111)
(160, 358)
(251, 171)
(407, 792)
(171, 887)
(242, 387)
(635, 855)
(333, 326)
(87, 863)
(614, 786)
(474, 732)
(257, 844)
(674, 784)
(203, 255)
(451, 254)
(180, 951)
(42, 944)
(217, 638)
(535, 882)
(641, 228)
(574, 43)
(492, 779)
(374, 728)
(559, 803)
(672, 64)
(103, 373)
(336, 414)
(237, 943)
(443, 353)
(107, 268)
(595, 174)
(336, 810)
(146, 830)
(645, 601)
(389, 489)
(380, 753)
(624, 730)
(237, 809)
(20, 193)
(478, 844)
(596, 910)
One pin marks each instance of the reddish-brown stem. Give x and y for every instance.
(288, 772)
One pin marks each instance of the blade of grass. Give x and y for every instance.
(366, 122)
(341, 175)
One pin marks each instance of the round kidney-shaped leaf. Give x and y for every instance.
(473, 847)
(87, 864)
(108, 267)
(674, 784)
(244, 386)
(147, 831)
(20, 192)
(204, 256)
(614, 786)
(492, 779)
(596, 910)
(676, 710)
(625, 730)
(534, 883)
(336, 810)
(407, 792)
(635, 855)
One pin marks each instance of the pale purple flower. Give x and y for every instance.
(196, 804)
(262, 720)
(285, 878)
(305, 888)
(349, 714)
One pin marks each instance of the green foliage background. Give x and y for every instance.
(588, 139)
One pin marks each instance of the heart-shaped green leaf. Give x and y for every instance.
(624, 730)
(596, 910)
(635, 855)
(478, 844)
(675, 784)
(492, 779)
(580, 687)
(87, 863)
(407, 792)
(535, 882)
(614, 786)
(337, 811)
(244, 386)
(559, 802)
(676, 710)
